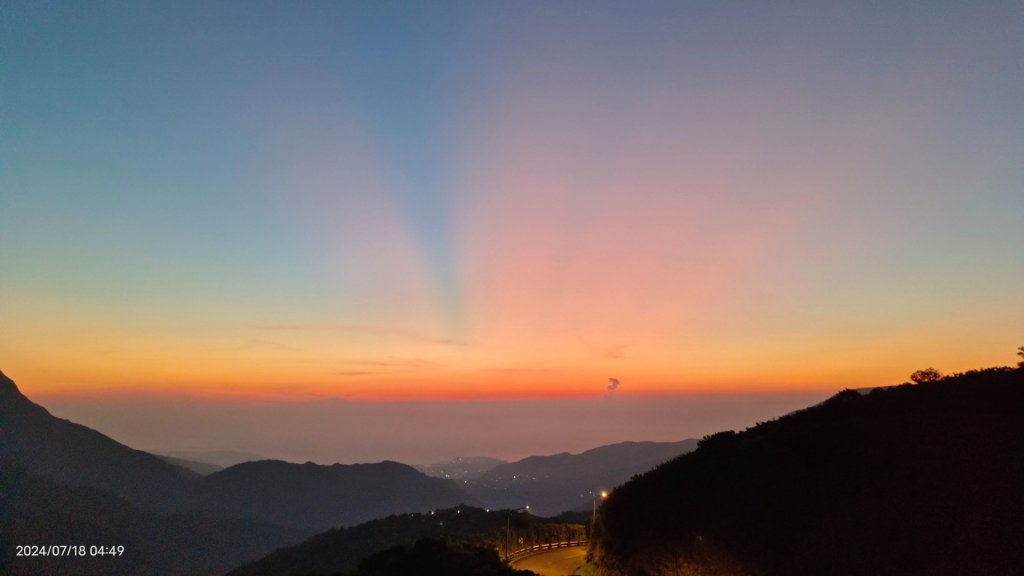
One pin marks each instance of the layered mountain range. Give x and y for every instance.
(308, 497)
(560, 482)
(64, 482)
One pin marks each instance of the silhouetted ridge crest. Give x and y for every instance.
(316, 496)
(12, 400)
(911, 480)
(564, 481)
(72, 454)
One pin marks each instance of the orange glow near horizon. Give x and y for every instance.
(234, 384)
(504, 352)
(691, 198)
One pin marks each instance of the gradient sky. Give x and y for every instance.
(393, 201)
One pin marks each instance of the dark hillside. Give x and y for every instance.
(431, 556)
(71, 454)
(916, 479)
(316, 497)
(38, 512)
(340, 550)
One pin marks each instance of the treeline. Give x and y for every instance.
(464, 528)
(909, 480)
(430, 556)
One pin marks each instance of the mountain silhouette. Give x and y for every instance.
(911, 480)
(221, 459)
(560, 482)
(317, 497)
(201, 468)
(68, 453)
(460, 468)
(307, 496)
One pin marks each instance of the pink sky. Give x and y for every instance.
(382, 204)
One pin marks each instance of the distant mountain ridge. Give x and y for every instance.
(219, 458)
(460, 468)
(314, 496)
(261, 503)
(306, 496)
(560, 482)
(201, 468)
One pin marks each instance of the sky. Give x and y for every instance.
(442, 203)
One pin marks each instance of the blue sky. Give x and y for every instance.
(424, 201)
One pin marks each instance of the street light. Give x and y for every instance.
(508, 527)
(593, 517)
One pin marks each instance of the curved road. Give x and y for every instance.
(560, 562)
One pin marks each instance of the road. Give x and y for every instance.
(560, 562)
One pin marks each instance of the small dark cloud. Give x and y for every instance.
(613, 385)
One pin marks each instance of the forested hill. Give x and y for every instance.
(908, 480)
(340, 550)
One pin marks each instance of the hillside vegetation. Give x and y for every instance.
(919, 479)
(466, 528)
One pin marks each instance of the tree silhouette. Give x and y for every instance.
(926, 375)
(1020, 352)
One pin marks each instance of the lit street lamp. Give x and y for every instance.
(508, 527)
(593, 517)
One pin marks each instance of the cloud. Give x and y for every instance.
(613, 385)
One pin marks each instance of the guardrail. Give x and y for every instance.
(542, 547)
